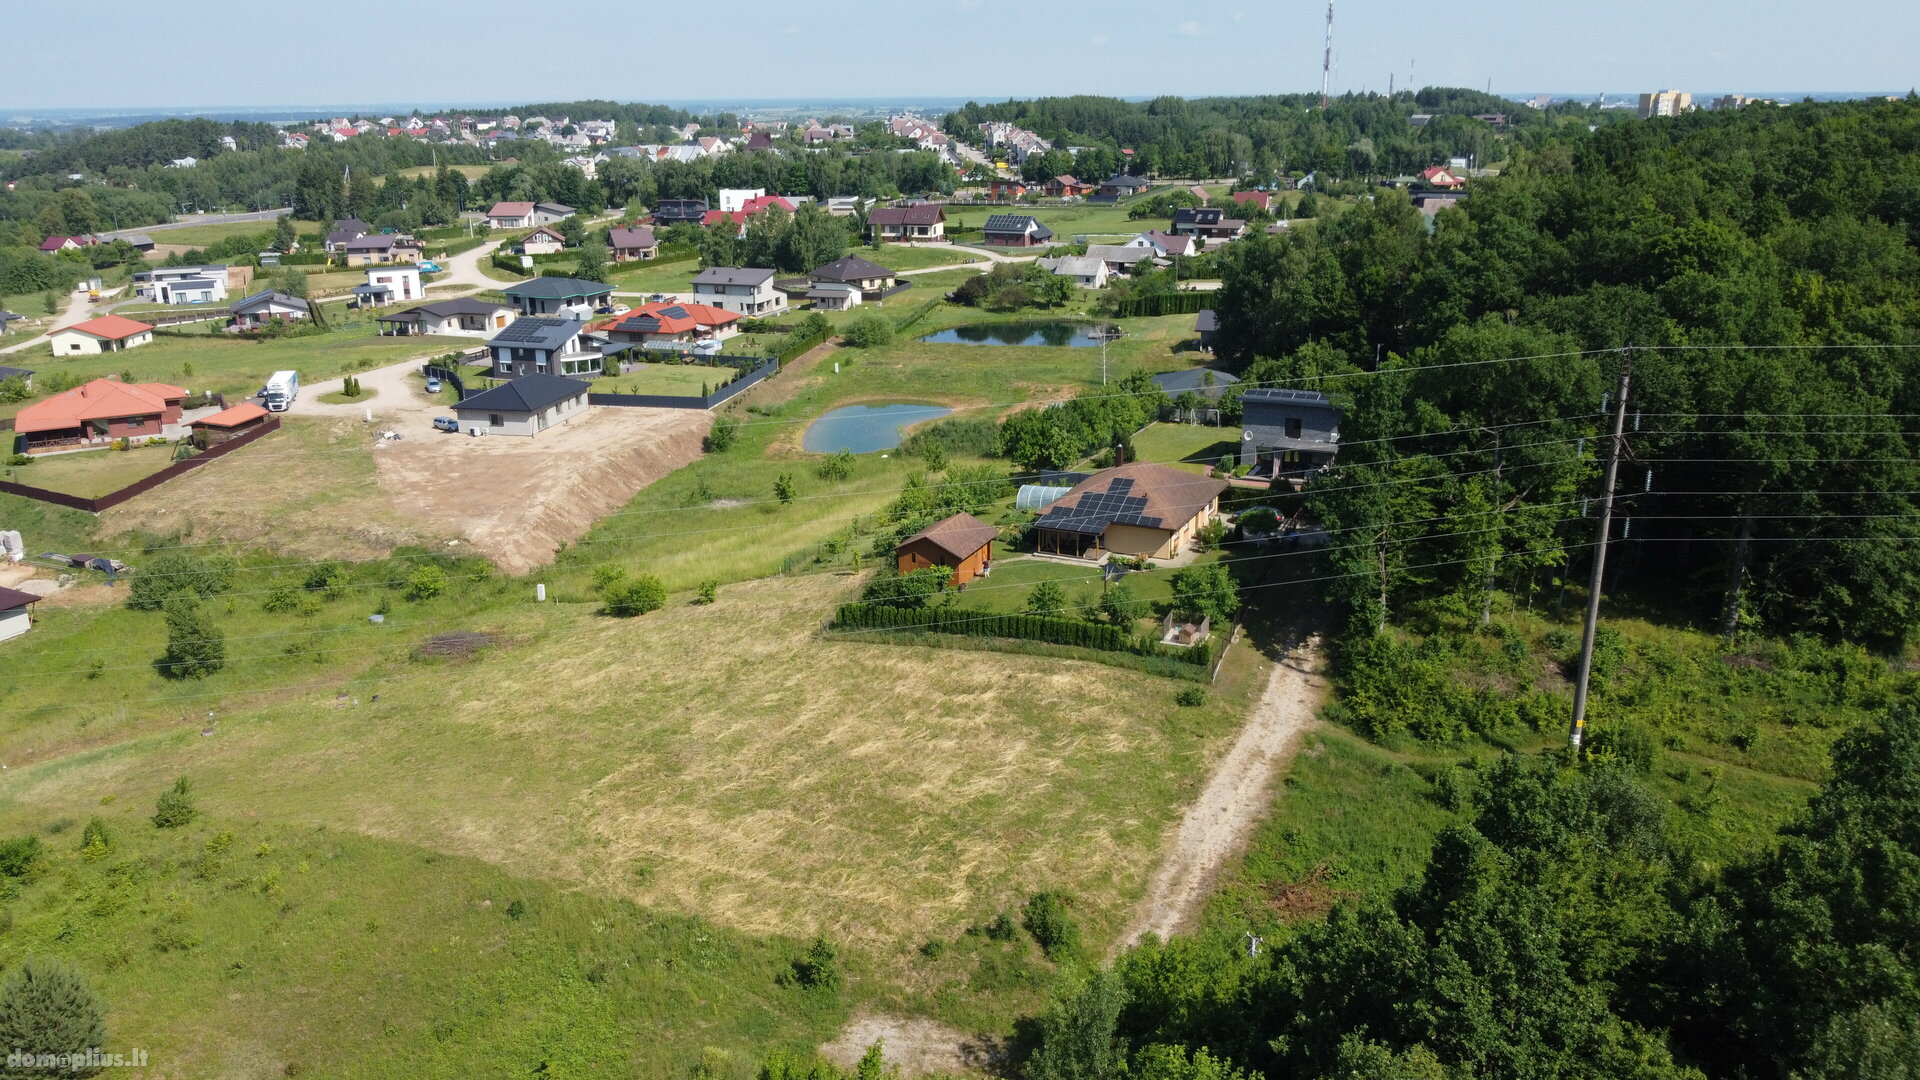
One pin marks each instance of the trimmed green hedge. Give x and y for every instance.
(1078, 633)
(796, 346)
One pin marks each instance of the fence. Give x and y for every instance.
(174, 318)
(1052, 630)
(449, 376)
(670, 401)
(115, 498)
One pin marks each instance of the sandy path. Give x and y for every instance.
(1235, 798)
(916, 1047)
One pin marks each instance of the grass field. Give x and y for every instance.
(673, 379)
(1195, 447)
(909, 257)
(202, 235)
(471, 172)
(95, 472)
(653, 277)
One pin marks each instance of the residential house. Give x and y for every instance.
(108, 333)
(1065, 186)
(756, 205)
(1122, 185)
(732, 199)
(16, 612)
(1166, 245)
(1207, 223)
(526, 406)
(1287, 432)
(897, 224)
(389, 285)
(182, 284)
(67, 243)
(262, 308)
(99, 412)
(566, 297)
(1086, 271)
(1439, 176)
(139, 241)
(627, 244)
(668, 326)
(679, 211)
(544, 240)
(463, 317)
(345, 229)
(381, 249)
(759, 140)
(1259, 200)
(1207, 325)
(1015, 230)
(1121, 258)
(843, 205)
(1006, 190)
(25, 375)
(1205, 384)
(228, 424)
(1146, 510)
(872, 280)
(833, 296)
(963, 543)
(526, 215)
(543, 346)
(746, 290)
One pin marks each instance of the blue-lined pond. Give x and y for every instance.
(866, 428)
(1070, 334)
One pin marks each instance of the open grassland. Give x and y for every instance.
(93, 473)
(202, 235)
(910, 257)
(471, 172)
(674, 762)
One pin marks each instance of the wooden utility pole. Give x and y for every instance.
(1600, 551)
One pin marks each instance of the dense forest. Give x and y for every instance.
(1762, 266)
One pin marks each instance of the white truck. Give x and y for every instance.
(280, 390)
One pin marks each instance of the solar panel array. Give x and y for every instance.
(535, 331)
(1096, 510)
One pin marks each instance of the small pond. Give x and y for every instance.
(866, 428)
(1070, 334)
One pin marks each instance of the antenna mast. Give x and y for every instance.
(1326, 62)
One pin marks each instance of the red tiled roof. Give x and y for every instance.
(55, 243)
(110, 327)
(233, 416)
(101, 399)
(510, 209)
(1260, 199)
(686, 317)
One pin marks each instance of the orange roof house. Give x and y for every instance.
(108, 333)
(100, 411)
(667, 321)
(111, 327)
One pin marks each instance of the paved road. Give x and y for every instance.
(189, 220)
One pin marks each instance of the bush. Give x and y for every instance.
(177, 573)
(636, 596)
(196, 646)
(19, 856)
(47, 1008)
(1001, 927)
(1047, 598)
(281, 599)
(1211, 534)
(783, 488)
(869, 332)
(819, 969)
(175, 806)
(1053, 929)
(909, 590)
(725, 432)
(1191, 697)
(837, 467)
(95, 841)
(1259, 520)
(329, 578)
(709, 592)
(425, 583)
(606, 576)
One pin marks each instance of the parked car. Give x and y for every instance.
(446, 423)
(433, 386)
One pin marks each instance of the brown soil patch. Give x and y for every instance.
(518, 500)
(457, 645)
(917, 1047)
(1310, 896)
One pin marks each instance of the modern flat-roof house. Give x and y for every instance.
(465, 317)
(1207, 222)
(544, 240)
(569, 297)
(679, 211)
(543, 346)
(1086, 271)
(108, 333)
(747, 290)
(16, 612)
(629, 244)
(389, 285)
(962, 542)
(906, 224)
(228, 424)
(380, 249)
(98, 412)
(526, 215)
(1287, 432)
(1142, 509)
(262, 308)
(182, 284)
(668, 326)
(871, 279)
(526, 406)
(1015, 230)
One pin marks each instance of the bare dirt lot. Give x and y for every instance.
(516, 500)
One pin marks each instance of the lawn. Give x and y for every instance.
(93, 473)
(1196, 447)
(341, 397)
(203, 235)
(686, 380)
(471, 172)
(909, 257)
(653, 276)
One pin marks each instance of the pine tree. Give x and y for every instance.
(47, 1008)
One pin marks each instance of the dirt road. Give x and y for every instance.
(75, 310)
(515, 500)
(1235, 798)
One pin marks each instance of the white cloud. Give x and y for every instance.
(1100, 39)
(1239, 16)
(1190, 28)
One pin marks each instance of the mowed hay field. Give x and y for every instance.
(726, 761)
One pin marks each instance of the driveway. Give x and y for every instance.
(398, 394)
(76, 310)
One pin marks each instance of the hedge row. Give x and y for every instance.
(1053, 630)
(797, 345)
(1179, 303)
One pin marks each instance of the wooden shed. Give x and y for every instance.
(962, 542)
(228, 423)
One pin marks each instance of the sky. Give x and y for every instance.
(231, 53)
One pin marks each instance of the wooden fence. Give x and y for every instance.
(115, 498)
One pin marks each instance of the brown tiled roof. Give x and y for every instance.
(1143, 494)
(917, 214)
(959, 536)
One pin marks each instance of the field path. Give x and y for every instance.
(1235, 797)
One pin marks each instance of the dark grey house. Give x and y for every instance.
(536, 346)
(523, 407)
(1287, 432)
(679, 211)
(1207, 325)
(562, 296)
